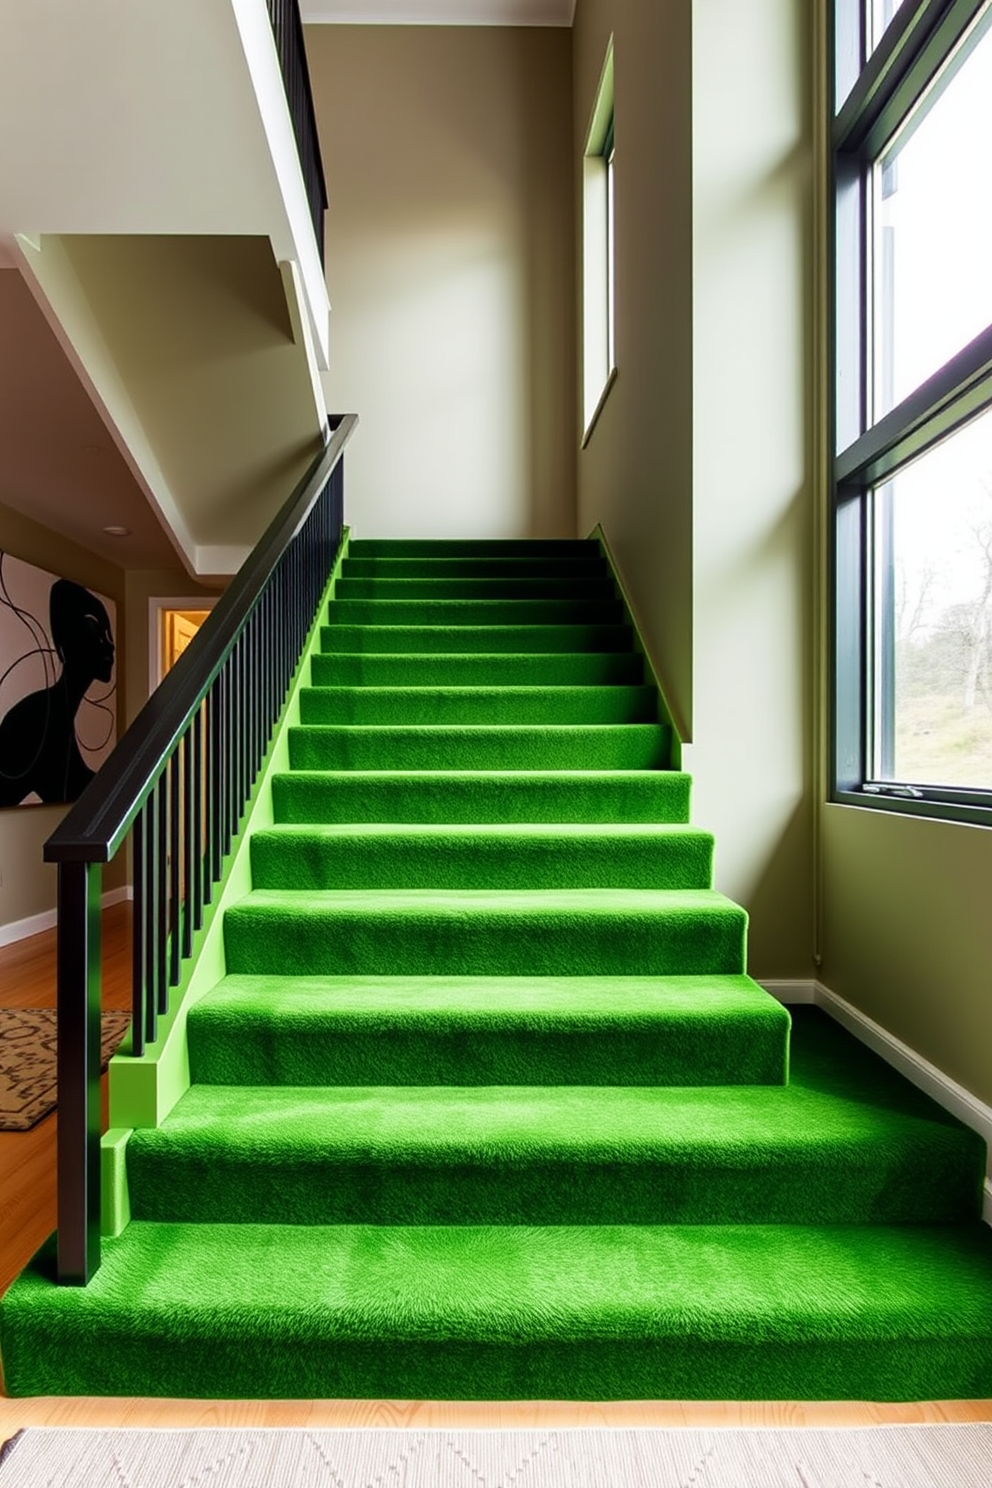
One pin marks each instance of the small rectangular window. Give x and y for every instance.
(599, 252)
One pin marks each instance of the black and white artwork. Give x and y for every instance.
(58, 685)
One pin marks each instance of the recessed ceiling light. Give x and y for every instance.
(115, 531)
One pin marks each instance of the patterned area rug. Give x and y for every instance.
(28, 1062)
(880, 1457)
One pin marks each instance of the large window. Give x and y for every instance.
(912, 491)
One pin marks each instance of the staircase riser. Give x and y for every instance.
(506, 670)
(354, 1358)
(459, 1052)
(329, 1188)
(541, 612)
(272, 941)
(474, 568)
(435, 635)
(683, 861)
(431, 706)
(582, 590)
(652, 796)
(633, 747)
(472, 547)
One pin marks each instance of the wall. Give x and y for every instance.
(699, 465)
(28, 886)
(447, 153)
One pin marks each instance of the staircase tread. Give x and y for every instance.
(733, 1283)
(493, 831)
(739, 1126)
(494, 998)
(626, 902)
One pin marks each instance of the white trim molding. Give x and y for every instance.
(47, 920)
(438, 12)
(924, 1075)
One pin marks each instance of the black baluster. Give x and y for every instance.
(162, 897)
(152, 875)
(187, 843)
(175, 958)
(138, 936)
(217, 772)
(197, 818)
(209, 785)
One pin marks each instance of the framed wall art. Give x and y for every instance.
(58, 684)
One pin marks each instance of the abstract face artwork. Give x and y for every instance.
(58, 690)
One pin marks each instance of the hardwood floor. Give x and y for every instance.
(27, 1216)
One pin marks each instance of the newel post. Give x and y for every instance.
(78, 1072)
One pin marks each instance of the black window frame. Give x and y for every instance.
(884, 91)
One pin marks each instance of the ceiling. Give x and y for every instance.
(440, 12)
(60, 465)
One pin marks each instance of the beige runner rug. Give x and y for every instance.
(951, 1456)
(28, 1045)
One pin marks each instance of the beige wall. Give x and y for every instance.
(752, 468)
(635, 474)
(28, 886)
(447, 153)
(698, 467)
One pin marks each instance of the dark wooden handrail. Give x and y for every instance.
(94, 828)
(179, 780)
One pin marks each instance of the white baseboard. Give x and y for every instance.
(926, 1076)
(791, 991)
(36, 924)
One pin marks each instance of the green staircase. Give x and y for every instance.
(486, 1106)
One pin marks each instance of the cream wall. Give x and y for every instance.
(752, 469)
(698, 467)
(450, 267)
(28, 886)
(635, 474)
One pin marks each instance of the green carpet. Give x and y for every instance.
(486, 1105)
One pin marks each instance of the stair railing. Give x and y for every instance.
(179, 781)
(287, 28)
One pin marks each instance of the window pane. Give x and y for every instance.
(934, 607)
(880, 13)
(858, 24)
(933, 231)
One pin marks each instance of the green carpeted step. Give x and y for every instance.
(546, 1155)
(486, 705)
(500, 856)
(599, 1312)
(576, 932)
(467, 612)
(629, 746)
(560, 669)
(256, 1030)
(430, 639)
(479, 797)
(594, 590)
(473, 547)
(586, 566)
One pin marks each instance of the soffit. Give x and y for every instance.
(59, 464)
(439, 12)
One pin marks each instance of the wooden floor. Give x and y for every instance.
(27, 1216)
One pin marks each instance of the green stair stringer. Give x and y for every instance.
(144, 1090)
